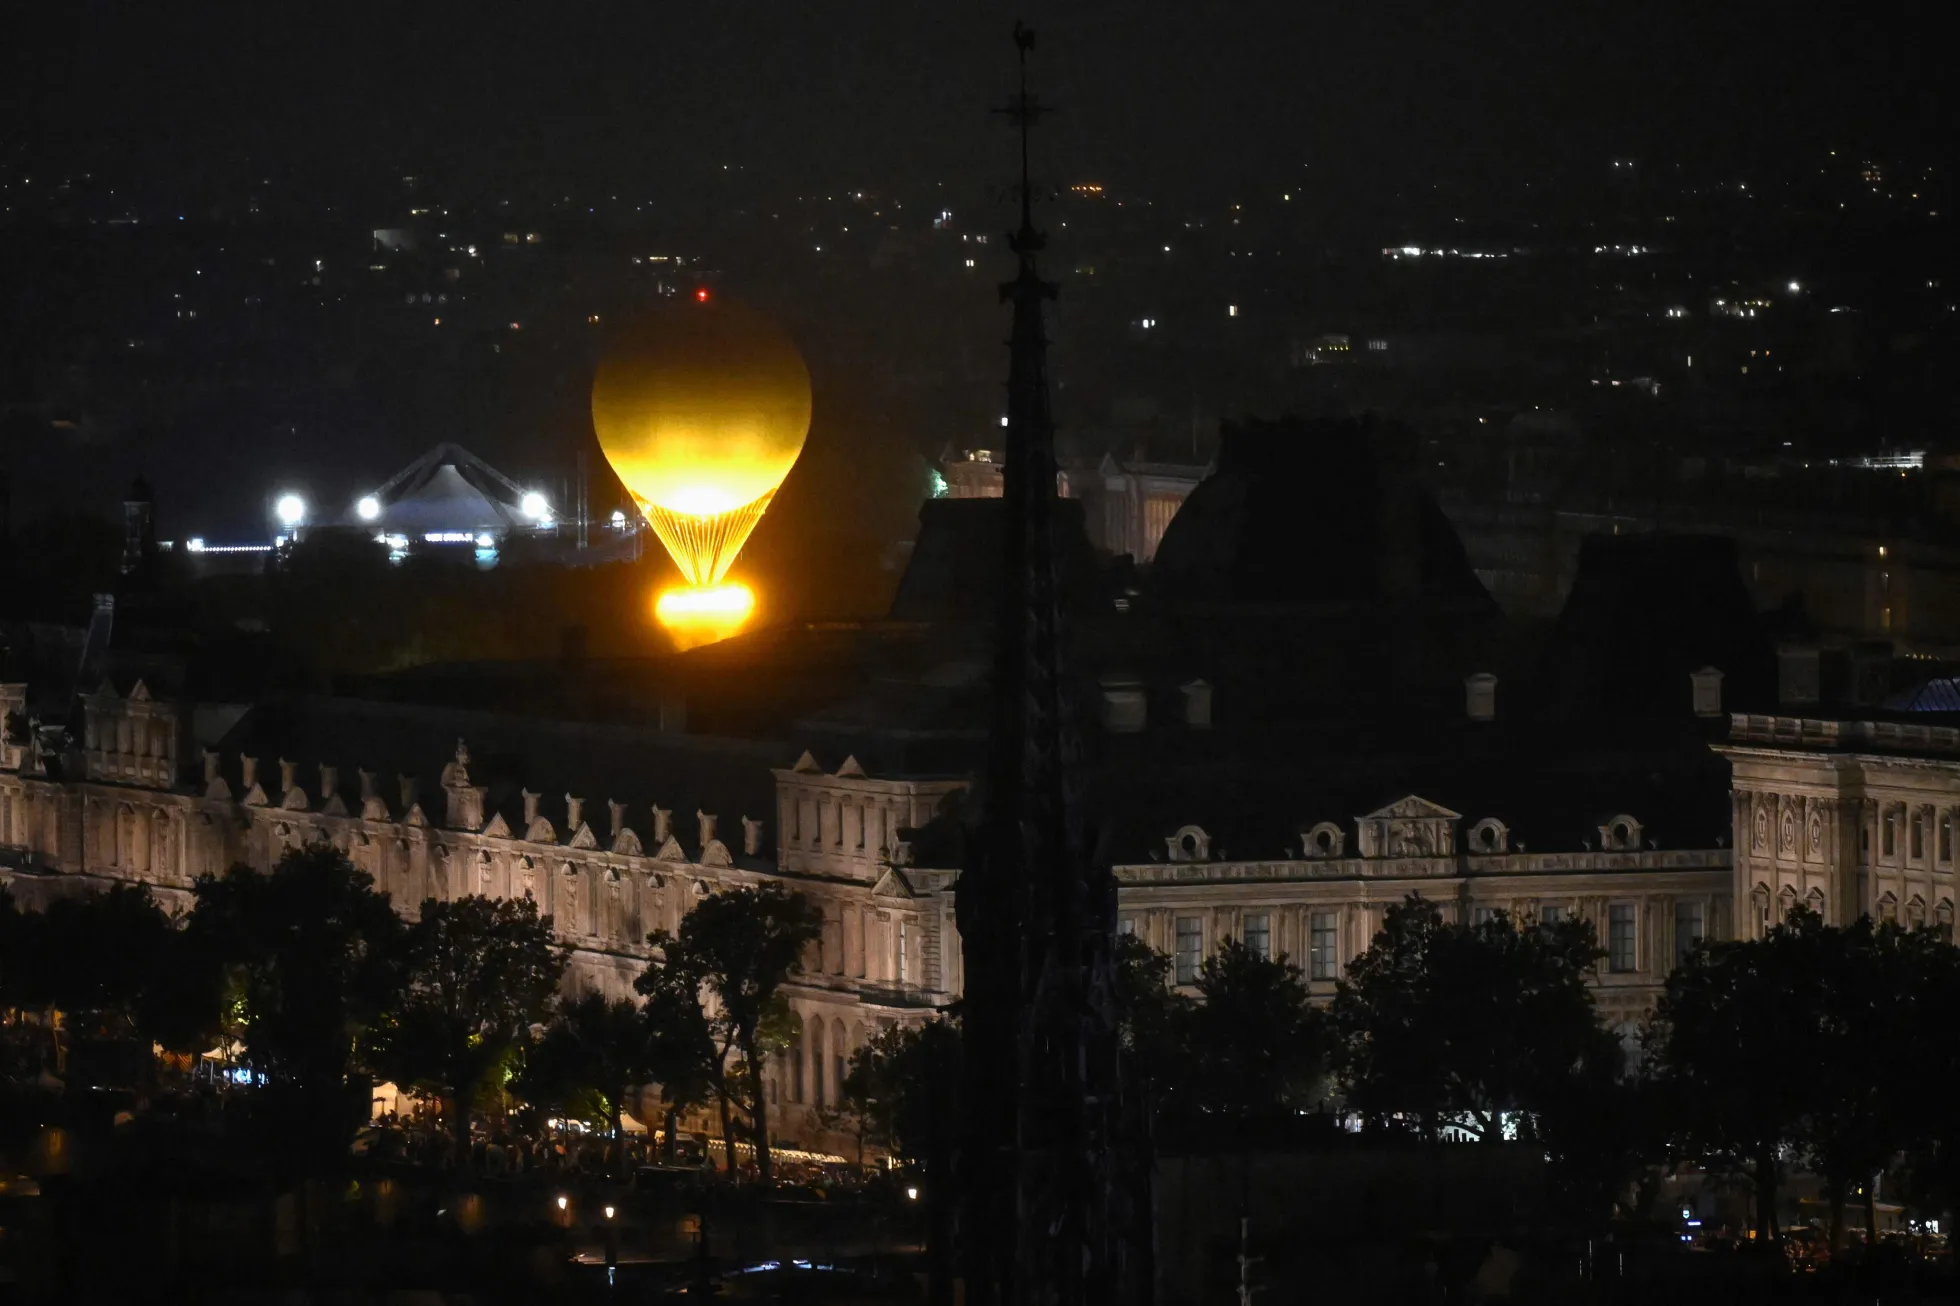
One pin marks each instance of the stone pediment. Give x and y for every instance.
(671, 851)
(1413, 807)
(626, 843)
(294, 799)
(715, 853)
(140, 693)
(374, 810)
(497, 827)
(893, 884)
(540, 831)
(333, 807)
(807, 765)
(218, 789)
(852, 769)
(414, 815)
(1408, 827)
(255, 797)
(583, 837)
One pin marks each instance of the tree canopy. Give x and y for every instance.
(1442, 1023)
(735, 950)
(314, 955)
(477, 974)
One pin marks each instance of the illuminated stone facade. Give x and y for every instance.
(1847, 816)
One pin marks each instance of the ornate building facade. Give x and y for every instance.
(1845, 816)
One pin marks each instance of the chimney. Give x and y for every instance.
(408, 787)
(1125, 710)
(663, 825)
(1797, 679)
(1197, 705)
(329, 781)
(248, 771)
(1480, 696)
(707, 821)
(1871, 673)
(1707, 691)
(530, 807)
(288, 775)
(574, 815)
(210, 767)
(616, 816)
(751, 837)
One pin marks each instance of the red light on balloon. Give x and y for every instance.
(701, 294)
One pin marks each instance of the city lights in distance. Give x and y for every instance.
(368, 508)
(290, 509)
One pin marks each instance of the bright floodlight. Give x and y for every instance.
(1796, 287)
(534, 506)
(368, 508)
(290, 510)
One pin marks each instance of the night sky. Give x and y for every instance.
(1157, 94)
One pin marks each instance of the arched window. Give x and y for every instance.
(794, 1056)
(1815, 901)
(1916, 913)
(1918, 836)
(817, 1093)
(1943, 919)
(1888, 908)
(1946, 838)
(1759, 900)
(840, 1057)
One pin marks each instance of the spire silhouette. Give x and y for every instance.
(1046, 1172)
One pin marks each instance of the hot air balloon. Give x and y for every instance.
(702, 409)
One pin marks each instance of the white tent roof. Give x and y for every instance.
(447, 489)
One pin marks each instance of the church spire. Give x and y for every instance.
(1046, 1174)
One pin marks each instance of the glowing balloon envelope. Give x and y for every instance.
(702, 409)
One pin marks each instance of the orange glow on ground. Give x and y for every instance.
(702, 614)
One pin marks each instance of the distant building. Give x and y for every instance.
(1130, 504)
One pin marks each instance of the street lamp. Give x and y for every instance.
(290, 510)
(368, 508)
(563, 1201)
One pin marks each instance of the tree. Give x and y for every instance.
(1440, 1023)
(681, 1050)
(904, 1089)
(604, 1049)
(739, 947)
(903, 1085)
(314, 956)
(1255, 1049)
(1731, 1042)
(1863, 996)
(478, 973)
